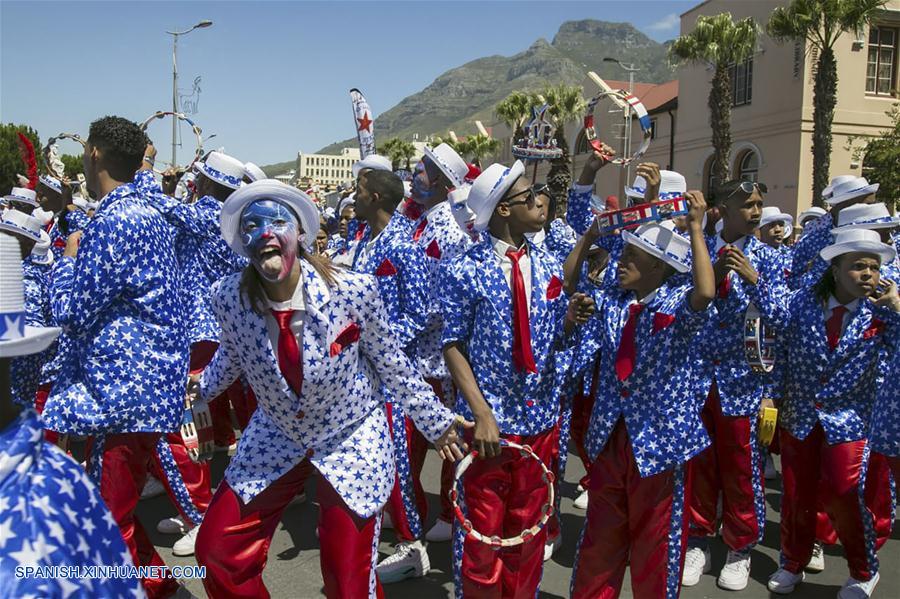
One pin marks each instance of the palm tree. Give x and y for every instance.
(399, 151)
(820, 23)
(514, 110)
(566, 105)
(477, 147)
(721, 43)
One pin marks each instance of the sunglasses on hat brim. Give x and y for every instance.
(748, 186)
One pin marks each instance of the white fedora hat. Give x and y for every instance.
(350, 200)
(839, 180)
(671, 184)
(810, 214)
(223, 169)
(459, 207)
(375, 162)
(866, 216)
(23, 195)
(41, 254)
(267, 189)
(450, 163)
(662, 242)
(489, 188)
(51, 182)
(850, 189)
(772, 214)
(858, 240)
(253, 172)
(18, 223)
(16, 337)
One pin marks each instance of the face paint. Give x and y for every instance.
(270, 236)
(421, 188)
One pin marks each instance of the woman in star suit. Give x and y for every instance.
(313, 343)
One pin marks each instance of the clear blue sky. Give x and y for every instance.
(275, 75)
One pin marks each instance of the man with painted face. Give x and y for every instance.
(116, 292)
(313, 342)
(748, 272)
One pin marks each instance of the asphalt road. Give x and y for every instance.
(293, 567)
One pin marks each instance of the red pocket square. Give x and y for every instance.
(433, 250)
(386, 269)
(554, 288)
(661, 320)
(345, 338)
(875, 328)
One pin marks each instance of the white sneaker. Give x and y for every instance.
(783, 582)
(581, 502)
(697, 562)
(152, 488)
(858, 589)
(817, 561)
(410, 560)
(552, 546)
(386, 521)
(172, 526)
(580, 488)
(440, 532)
(771, 473)
(735, 572)
(184, 546)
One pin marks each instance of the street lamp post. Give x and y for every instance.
(627, 146)
(175, 34)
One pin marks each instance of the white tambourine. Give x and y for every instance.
(640, 114)
(529, 533)
(759, 342)
(195, 129)
(51, 157)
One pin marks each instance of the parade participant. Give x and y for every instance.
(747, 272)
(399, 268)
(50, 512)
(116, 293)
(807, 216)
(322, 236)
(832, 336)
(506, 323)
(253, 173)
(843, 192)
(313, 342)
(21, 198)
(775, 227)
(55, 196)
(644, 425)
(884, 433)
(371, 162)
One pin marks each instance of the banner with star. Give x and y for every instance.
(362, 116)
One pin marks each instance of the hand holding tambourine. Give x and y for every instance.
(196, 426)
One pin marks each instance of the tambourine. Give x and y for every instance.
(634, 216)
(198, 132)
(197, 430)
(759, 342)
(768, 421)
(53, 163)
(622, 98)
(526, 535)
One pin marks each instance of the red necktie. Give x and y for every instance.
(523, 358)
(290, 358)
(725, 285)
(625, 356)
(419, 228)
(833, 326)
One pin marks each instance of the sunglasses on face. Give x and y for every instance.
(533, 192)
(748, 186)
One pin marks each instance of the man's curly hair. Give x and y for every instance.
(121, 141)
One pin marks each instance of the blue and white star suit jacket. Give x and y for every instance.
(816, 235)
(478, 313)
(721, 342)
(656, 400)
(51, 514)
(834, 388)
(580, 217)
(338, 421)
(560, 240)
(120, 303)
(884, 432)
(442, 240)
(73, 220)
(25, 371)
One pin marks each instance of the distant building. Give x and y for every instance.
(327, 170)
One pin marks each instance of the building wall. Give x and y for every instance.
(327, 169)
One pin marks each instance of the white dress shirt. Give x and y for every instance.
(851, 310)
(506, 265)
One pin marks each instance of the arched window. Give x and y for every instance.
(748, 166)
(708, 178)
(581, 144)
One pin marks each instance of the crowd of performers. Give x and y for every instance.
(466, 310)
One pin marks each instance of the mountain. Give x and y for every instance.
(467, 93)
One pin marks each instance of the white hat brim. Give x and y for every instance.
(21, 200)
(440, 164)
(631, 192)
(846, 197)
(655, 251)
(267, 189)
(201, 166)
(483, 216)
(42, 235)
(36, 339)
(889, 224)
(886, 252)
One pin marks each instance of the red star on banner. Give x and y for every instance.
(364, 123)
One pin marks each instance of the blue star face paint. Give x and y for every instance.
(270, 233)
(425, 177)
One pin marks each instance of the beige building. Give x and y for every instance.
(327, 170)
(771, 120)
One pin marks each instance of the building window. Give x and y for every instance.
(748, 166)
(741, 82)
(709, 186)
(652, 128)
(881, 68)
